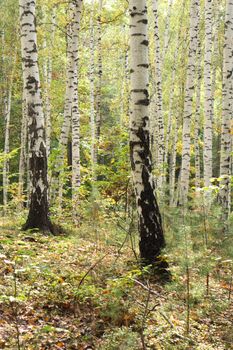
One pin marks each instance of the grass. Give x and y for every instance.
(84, 290)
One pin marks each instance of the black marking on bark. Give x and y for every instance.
(144, 65)
(145, 42)
(144, 21)
(144, 102)
(150, 223)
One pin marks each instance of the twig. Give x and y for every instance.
(148, 288)
(90, 269)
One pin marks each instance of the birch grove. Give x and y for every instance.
(116, 101)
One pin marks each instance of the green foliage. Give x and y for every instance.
(122, 339)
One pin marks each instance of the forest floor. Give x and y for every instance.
(84, 291)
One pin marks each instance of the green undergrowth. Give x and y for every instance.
(83, 288)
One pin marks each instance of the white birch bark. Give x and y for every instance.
(7, 112)
(23, 149)
(159, 98)
(7, 115)
(76, 181)
(58, 178)
(188, 103)
(92, 95)
(197, 116)
(167, 30)
(38, 210)
(150, 226)
(227, 111)
(172, 173)
(208, 172)
(99, 82)
(170, 113)
(47, 74)
(66, 125)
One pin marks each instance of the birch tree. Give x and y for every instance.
(159, 97)
(77, 8)
(47, 73)
(38, 209)
(167, 30)
(227, 110)
(99, 83)
(7, 102)
(198, 115)
(188, 103)
(208, 172)
(92, 95)
(150, 224)
(23, 148)
(66, 125)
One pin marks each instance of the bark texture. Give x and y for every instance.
(77, 10)
(93, 120)
(159, 98)
(188, 103)
(38, 209)
(208, 172)
(100, 72)
(227, 109)
(150, 224)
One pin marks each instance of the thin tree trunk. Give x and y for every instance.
(167, 30)
(159, 98)
(7, 112)
(150, 225)
(47, 73)
(208, 172)
(227, 111)
(7, 115)
(169, 122)
(58, 178)
(76, 181)
(99, 83)
(23, 149)
(189, 92)
(92, 96)
(38, 210)
(172, 173)
(197, 117)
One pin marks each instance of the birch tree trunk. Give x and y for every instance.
(208, 172)
(167, 30)
(92, 96)
(227, 110)
(99, 83)
(197, 116)
(77, 9)
(188, 108)
(172, 173)
(169, 122)
(7, 113)
(150, 223)
(159, 98)
(38, 210)
(66, 125)
(23, 148)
